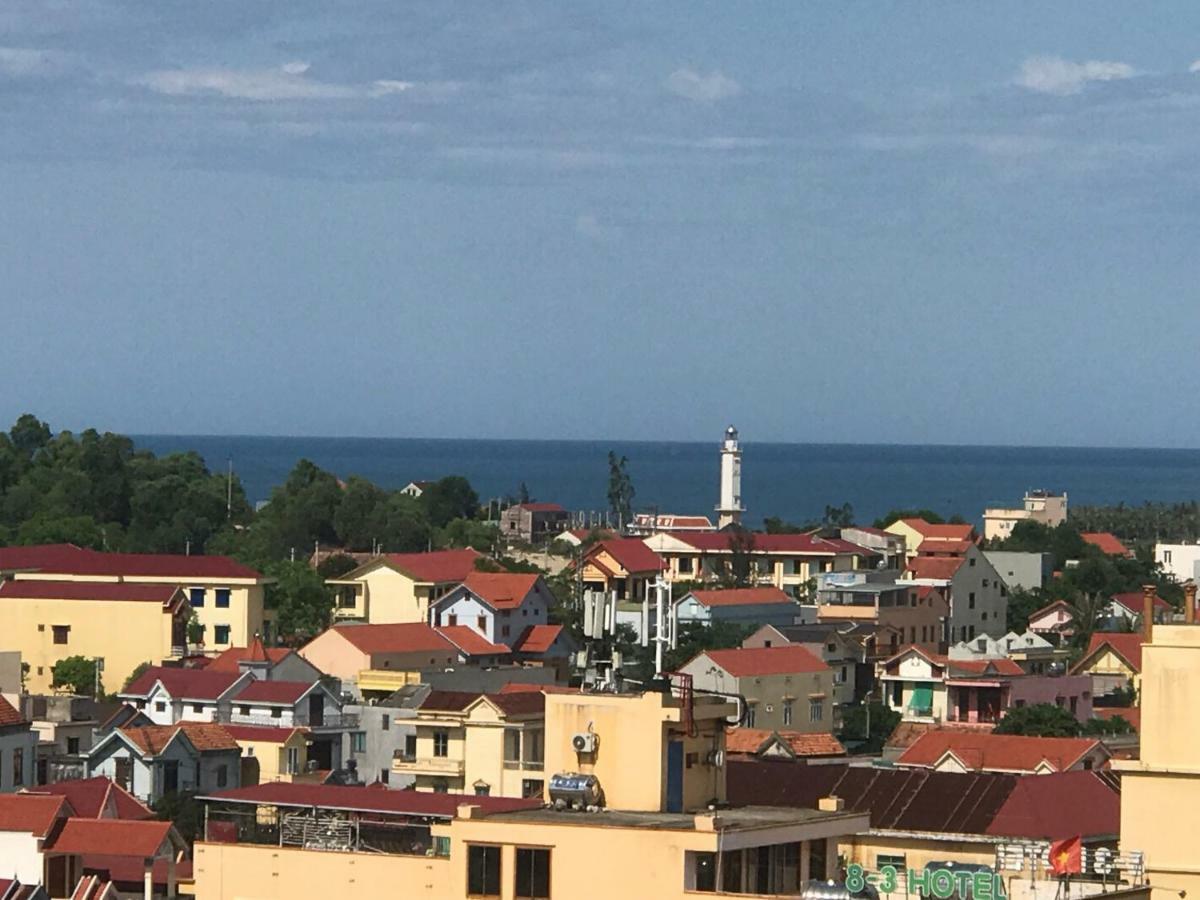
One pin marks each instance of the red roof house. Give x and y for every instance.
(1106, 543)
(970, 751)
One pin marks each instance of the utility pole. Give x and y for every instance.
(229, 492)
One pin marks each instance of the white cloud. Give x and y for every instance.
(1055, 75)
(702, 88)
(1194, 67)
(287, 82)
(588, 226)
(27, 62)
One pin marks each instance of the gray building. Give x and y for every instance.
(533, 523)
(384, 733)
(1028, 571)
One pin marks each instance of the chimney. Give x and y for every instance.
(1189, 602)
(1149, 595)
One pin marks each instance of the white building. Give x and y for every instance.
(730, 509)
(1178, 560)
(1040, 506)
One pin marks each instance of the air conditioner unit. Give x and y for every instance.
(585, 742)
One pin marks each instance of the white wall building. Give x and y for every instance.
(1178, 560)
(730, 509)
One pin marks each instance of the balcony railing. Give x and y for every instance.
(529, 765)
(333, 721)
(428, 765)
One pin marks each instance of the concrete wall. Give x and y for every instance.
(1060, 691)
(1027, 571)
(375, 763)
(10, 672)
(17, 739)
(21, 859)
(977, 577)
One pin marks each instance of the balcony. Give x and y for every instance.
(428, 765)
(326, 722)
(386, 680)
(525, 765)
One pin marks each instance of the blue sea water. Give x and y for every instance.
(794, 481)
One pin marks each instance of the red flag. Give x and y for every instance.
(1066, 857)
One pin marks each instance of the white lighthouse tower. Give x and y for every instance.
(730, 509)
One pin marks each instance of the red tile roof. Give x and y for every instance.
(537, 638)
(67, 559)
(787, 659)
(112, 837)
(539, 507)
(982, 751)
(1127, 645)
(282, 693)
(1134, 602)
(183, 684)
(753, 740)
(1107, 543)
(438, 567)
(1131, 714)
(36, 589)
(742, 597)
(9, 714)
(1001, 666)
(940, 567)
(448, 701)
(32, 813)
(947, 547)
(204, 736)
(408, 637)
(337, 797)
(471, 642)
(945, 532)
(91, 798)
(227, 660)
(262, 733)
(501, 590)
(631, 554)
(1049, 807)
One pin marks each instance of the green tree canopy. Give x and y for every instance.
(620, 488)
(302, 602)
(76, 674)
(450, 498)
(1039, 720)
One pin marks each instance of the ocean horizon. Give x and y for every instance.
(794, 481)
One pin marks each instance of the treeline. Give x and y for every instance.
(1171, 522)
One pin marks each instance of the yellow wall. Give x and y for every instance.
(335, 656)
(912, 537)
(1160, 792)
(390, 597)
(249, 872)
(125, 632)
(244, 616)
(1108, 663)
(631, 760)
(272, 758)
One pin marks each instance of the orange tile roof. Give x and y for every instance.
(262, 733)
(9, 714)
(227, 660)
(945, 532)
(115, 837)
(537, 638)
(631, 554)
(752, 740)
(787, 659)
(408, 637)
(1127, 645)
(32, 813)
(1107, 543)
(1131, 714)
(438, 567)
(946, 547)
(742, 597)
(940, 567)
(983, 751)
(204, 736)
(501, 590)
(471, 642)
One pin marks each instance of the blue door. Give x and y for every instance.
(675, 776)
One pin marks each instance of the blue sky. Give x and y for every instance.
(877, 222)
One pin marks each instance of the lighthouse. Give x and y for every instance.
(730, 509)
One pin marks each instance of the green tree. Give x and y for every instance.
(468, 533)
(740, 567)
(361, 515)
(838, 516)
(523, 494)
(76, 674)
(1115, 725)
(1039, 720)
(184, 811)
(450, 498)
(868, 731)
(696, 637)
(336, 565)
(620, 489)
(303, 509)
(137, 673)
(301, 599)
(406, 527)
(29, 434)
(1022, 603)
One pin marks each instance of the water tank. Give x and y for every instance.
(574, 790)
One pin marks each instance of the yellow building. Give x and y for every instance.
(1160, 792)
(124, 624)
(270, 754)
(1113, 660)
(226, 596)
(455, 846)
(399, 587)
(482, 744)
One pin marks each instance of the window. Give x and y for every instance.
(276, 713)
(844, 674)
(512, 748)
(441, 743)
(196, 595)
(1074, 702)
(832, 648)
(358, 742)
(504, 632)
(243, 710)
(483, 790)
(1167, 557)
(787, 713)
(410, 746)
(531, 788)
(984, 617)
(483, 871)
(385, 776)
(293, 760)
(385, 723)
(1088, 764)
(72, 745)
(971, 600)
(222, 776)
(61, 633)
(41, 628)
(750, 707)
(890, 859)
(221, 598)
(18, 766)
(816, 710)
(452, 619)
(533, 874)
(685, 564)
(197, 707)
(481, 623)
(971, 562)
(160, 706)
(221, 634)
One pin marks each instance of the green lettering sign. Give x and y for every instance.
(939, 884)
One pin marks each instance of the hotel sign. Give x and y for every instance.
(937, 883)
